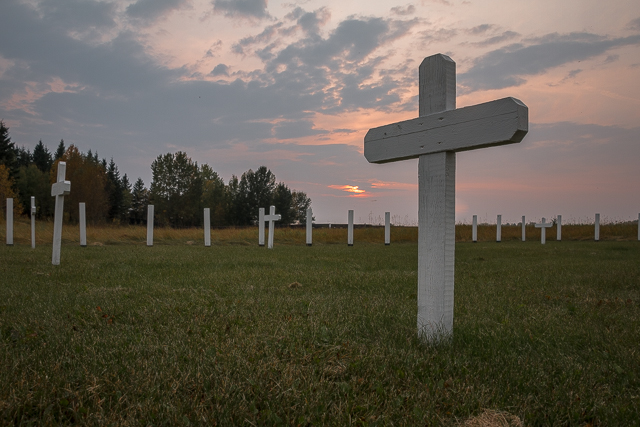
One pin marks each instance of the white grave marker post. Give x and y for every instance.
(597, 230)
(387, 228)
(524, 234)
(271, 218)
(499, 229)
(543, 232)
(33, 222)
(83, 225)
(350, 229)
(58, 190)
(434, 138)
(559, 228)
(309, 227)
(474, 229)
(207, 227)
(150, 215)
(639, 227)
(9, 221)
(261, 227)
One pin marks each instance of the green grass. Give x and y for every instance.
(181, 334)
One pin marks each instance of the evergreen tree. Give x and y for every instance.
(114, 191)
(126, 199)
(139, 202)
(7, 150)
(34, 182)
(23, 157)
(60, 150)
(42, 157)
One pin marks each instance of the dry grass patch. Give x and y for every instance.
(491, 418)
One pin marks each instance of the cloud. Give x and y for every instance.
(510, 65)
(149, 11)
(242, 8)
(220, 70)
(264, 37)
(611, 58)
(439, 35)
(480, 29)
(296, 129)
(85, 17)
(634, 25)
(507, 35)
(404, 11)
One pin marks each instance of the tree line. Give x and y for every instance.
(179, 190)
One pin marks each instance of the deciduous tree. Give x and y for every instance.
(176, 190)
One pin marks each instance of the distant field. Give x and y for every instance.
(234, 334)
(112, 234)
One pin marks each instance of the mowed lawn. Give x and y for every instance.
(235, 334)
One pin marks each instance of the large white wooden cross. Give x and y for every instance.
(434, 138)
(58, 190)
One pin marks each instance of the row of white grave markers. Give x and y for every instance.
(543, 226)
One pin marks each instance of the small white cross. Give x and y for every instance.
(33, 222)
(59, 190)
(543, 232)
(271, 218)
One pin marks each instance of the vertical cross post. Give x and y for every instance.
(150, 217)
(639, 227)
(524, 234)
(387, 228)
(436, 206)
(9, 221)
(261, 227)
(559, 228)
(474, 229)
(272, 217)
(597, 228)
(543, 230)
(350, 229)
(33, 222)
(58, 190)
(309, 227)
(434, 138)
(499, 229)
(83, 225)
(207, 227)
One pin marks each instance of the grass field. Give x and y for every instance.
(234, 334)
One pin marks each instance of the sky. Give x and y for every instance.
(295, 86)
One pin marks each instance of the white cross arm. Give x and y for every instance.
(62, 188)
(272, 217)
(504, 121)
(545, 225)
